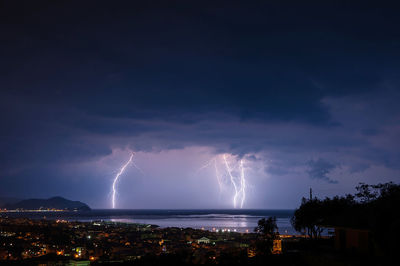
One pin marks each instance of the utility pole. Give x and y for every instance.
(310, 193)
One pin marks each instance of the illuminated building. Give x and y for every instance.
(277, 246)
(203, 240)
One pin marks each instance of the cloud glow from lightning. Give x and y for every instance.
(114, 189)
(237, 181)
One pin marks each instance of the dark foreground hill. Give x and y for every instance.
(51, 203)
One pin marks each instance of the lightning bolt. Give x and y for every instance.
(228, 169)
(218, 175)
(238, 181)
(205, 165)
(137, 167)
(242, 183)
(114, 190)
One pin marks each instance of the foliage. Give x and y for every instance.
(373, 207)
(267, 227)
(268, 231)
(384, 217)
(367, 193)
(308, 217)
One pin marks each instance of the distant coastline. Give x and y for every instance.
(235, 220)
(34, 210)
(54, 204)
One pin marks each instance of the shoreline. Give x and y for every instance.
(241, 221)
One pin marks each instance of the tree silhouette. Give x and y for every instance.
(267, 230)
(267, 227)
(309, 217)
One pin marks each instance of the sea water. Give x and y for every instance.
(213, 220)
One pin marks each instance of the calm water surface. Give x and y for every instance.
(234, 220)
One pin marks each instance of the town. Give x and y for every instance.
(27, 239)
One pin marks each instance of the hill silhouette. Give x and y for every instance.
(51, 203)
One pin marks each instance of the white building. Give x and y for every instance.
(203, 240)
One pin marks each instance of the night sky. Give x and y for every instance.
(305, 94)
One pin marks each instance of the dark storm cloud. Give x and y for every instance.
(287, 80)
(272, 62)
(319, 169)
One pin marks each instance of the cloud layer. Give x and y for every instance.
(308, 95)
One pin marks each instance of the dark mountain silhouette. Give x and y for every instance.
(51, 203)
